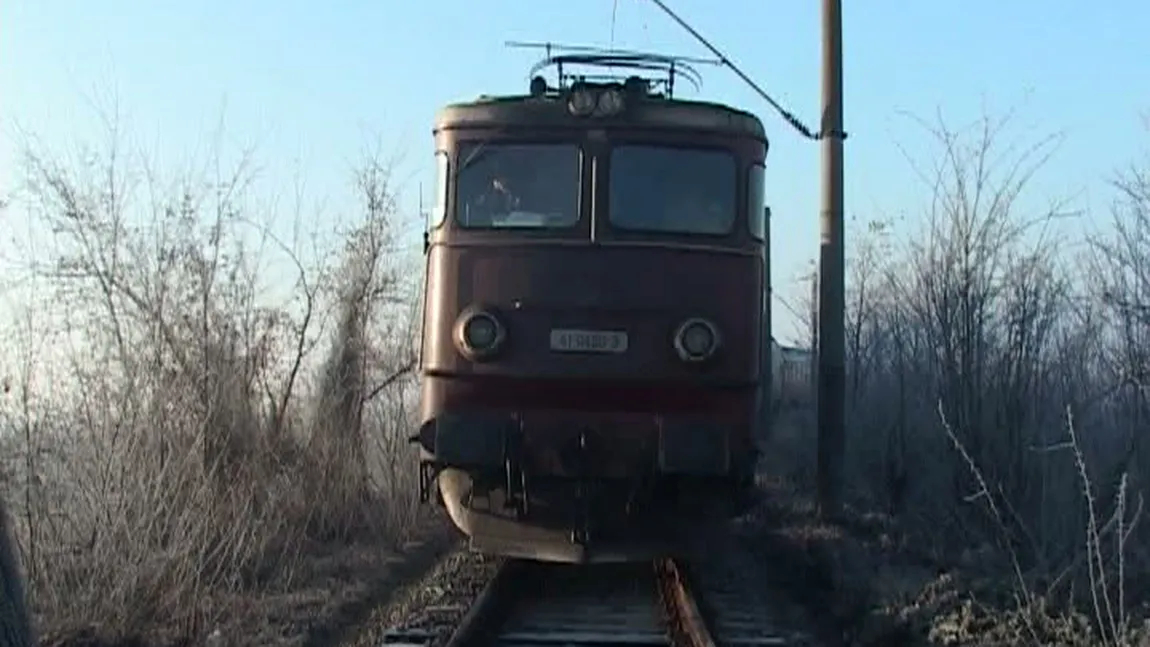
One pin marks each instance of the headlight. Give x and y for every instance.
(611, 102)
(479, 334)
(582, 101)
(697, 340)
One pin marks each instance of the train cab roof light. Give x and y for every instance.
(610, 103)
(581, 101)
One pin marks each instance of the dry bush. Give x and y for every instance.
(996, 387)
(365, 380)
(194, 399)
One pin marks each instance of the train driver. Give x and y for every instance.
(496, 199)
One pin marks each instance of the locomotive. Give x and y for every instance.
(595, 357)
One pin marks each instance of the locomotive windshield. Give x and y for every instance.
(533, 186)
(673, 190)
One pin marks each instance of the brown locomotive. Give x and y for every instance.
(595, 364)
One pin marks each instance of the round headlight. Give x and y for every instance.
(582, 102)
(610, 103)
(696, 340)
(479, 334)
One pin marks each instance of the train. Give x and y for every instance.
(792, 374)
(595, 360)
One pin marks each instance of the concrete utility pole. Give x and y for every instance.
(813, 377)
(831, 280)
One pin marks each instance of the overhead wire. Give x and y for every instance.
(787, 115)
(614, 11)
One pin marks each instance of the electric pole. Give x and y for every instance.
(831, 347)
(813, 377)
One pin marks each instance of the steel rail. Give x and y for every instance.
(661, 604)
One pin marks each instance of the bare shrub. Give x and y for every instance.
(972, 341)
(172, 447)
(361, 366)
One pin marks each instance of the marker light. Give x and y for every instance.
(697, 340)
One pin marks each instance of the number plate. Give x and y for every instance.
(589, 341)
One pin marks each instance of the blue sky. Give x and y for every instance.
(318, 83)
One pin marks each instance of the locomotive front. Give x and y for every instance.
(594, 325)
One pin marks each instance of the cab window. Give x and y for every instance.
(528, 186)
(673, 190)
(439, 209)
(756, 200)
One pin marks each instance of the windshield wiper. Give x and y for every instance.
(475, 155)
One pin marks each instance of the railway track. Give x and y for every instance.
(660, 603)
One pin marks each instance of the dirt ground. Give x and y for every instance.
(338, 589)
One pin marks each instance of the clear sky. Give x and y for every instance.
(318, 82)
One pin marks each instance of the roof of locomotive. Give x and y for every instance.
(644, 111)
